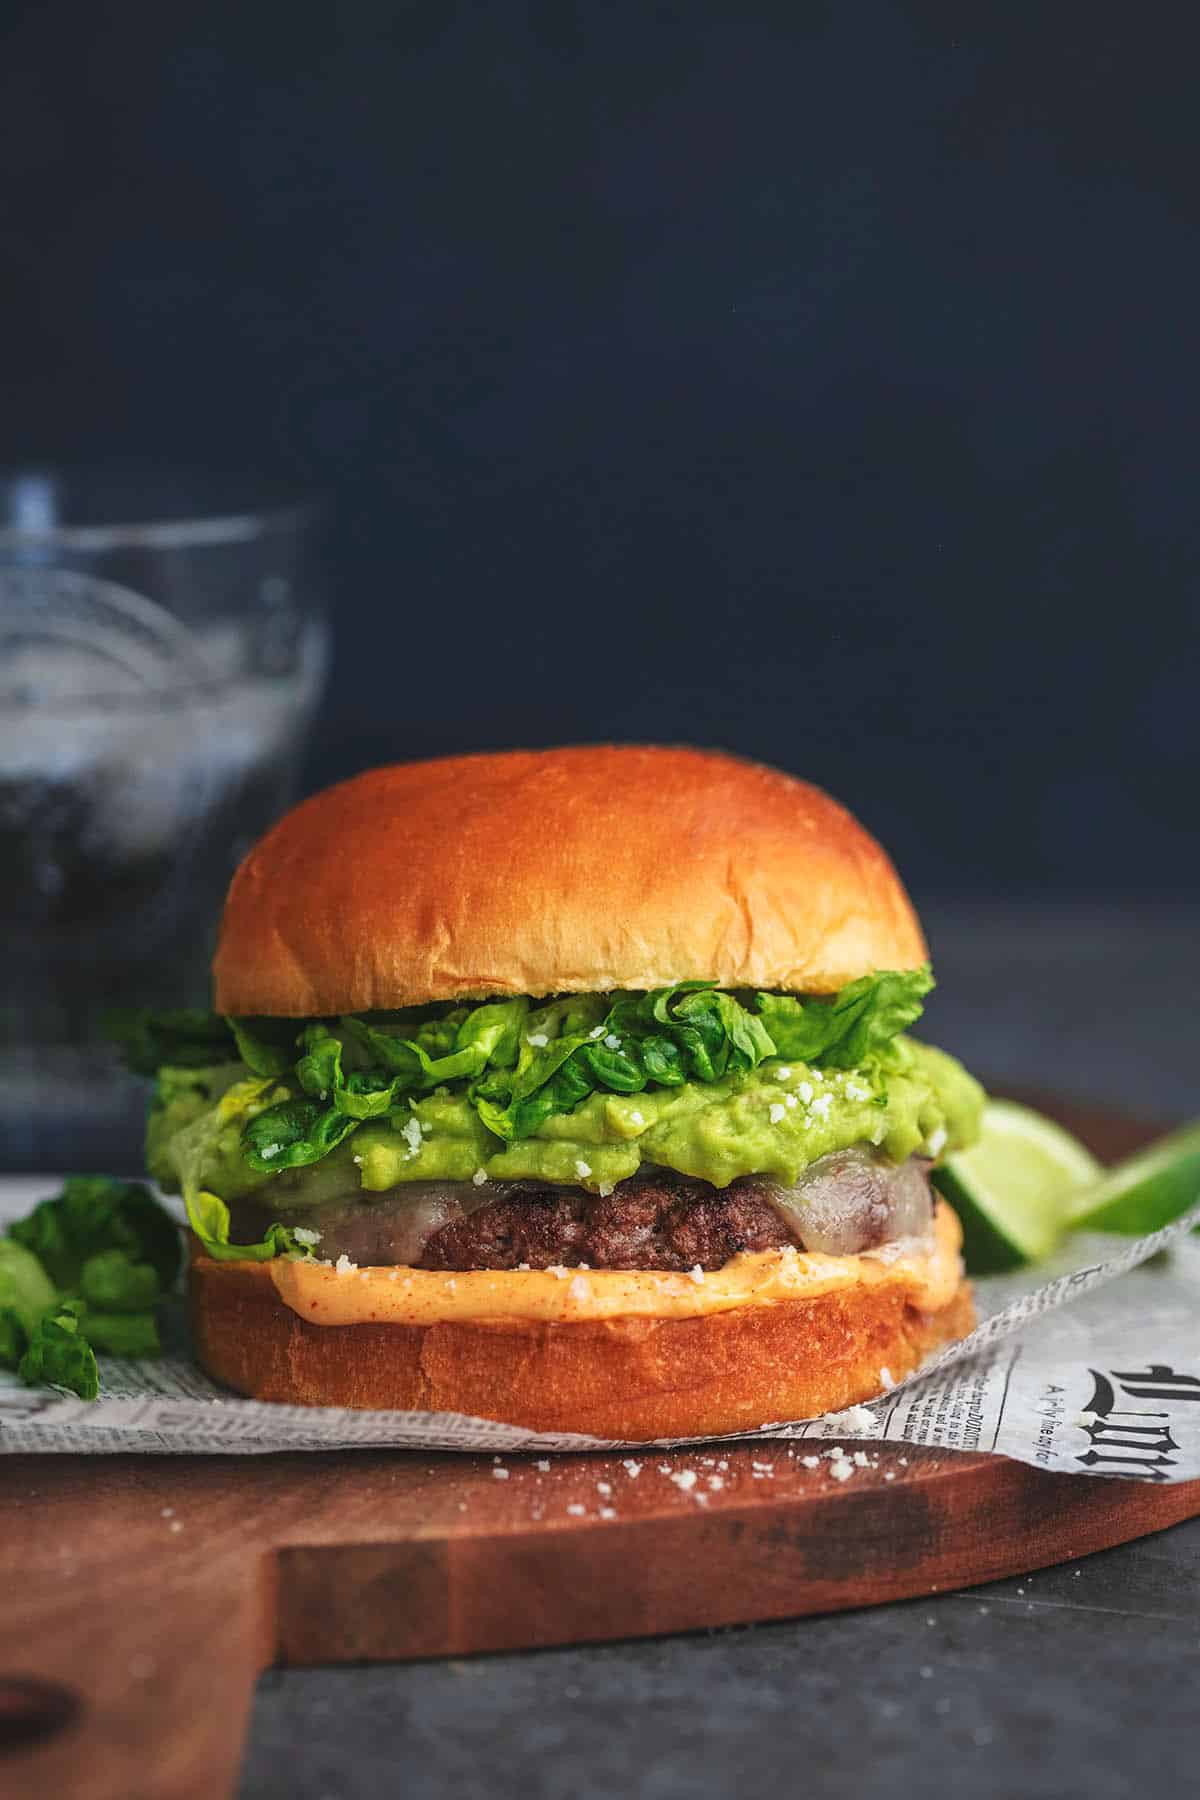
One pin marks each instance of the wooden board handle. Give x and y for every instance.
(130, 1679)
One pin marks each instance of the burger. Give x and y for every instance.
(571, 1088)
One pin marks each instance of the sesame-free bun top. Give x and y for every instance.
(557, 871)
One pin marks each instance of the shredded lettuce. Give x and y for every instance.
(94, 1213)
(520, 1062)
(84, 1272)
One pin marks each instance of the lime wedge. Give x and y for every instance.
(1012, 1190)
(1145, 1191)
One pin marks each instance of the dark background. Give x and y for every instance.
(818, 381)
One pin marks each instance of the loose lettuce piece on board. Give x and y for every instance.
(95, 1213)
(58, 1356)
(26, 1292)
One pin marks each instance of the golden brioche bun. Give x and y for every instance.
(557, 871)
(631, 1378)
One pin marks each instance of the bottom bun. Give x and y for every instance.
(629, 1378)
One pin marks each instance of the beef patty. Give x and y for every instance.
(844, 1203)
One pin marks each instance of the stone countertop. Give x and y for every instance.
(1078, 1680)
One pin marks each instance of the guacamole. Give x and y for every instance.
(773, 1120)
(582, 1089)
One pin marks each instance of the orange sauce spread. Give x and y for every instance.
(325, 1294)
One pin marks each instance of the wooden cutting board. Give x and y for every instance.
(144, 1595)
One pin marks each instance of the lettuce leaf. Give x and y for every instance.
(123, 1333)
(840, 1032)
(688, 1032)
(522, 1063)
(58, 1356)
(26, 1292)
(208, 1217)
(185, 1038)
(266, 1046)
(111, 1281)
(95, 1213)
(334, 1100)
(84, 1271)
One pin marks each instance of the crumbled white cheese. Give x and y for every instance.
(604, 1489)
(811, 1462)
(861, 1460)
(889, 1475)
(937, 1141)
(612, 1041)
(841, 1471)
(579, 1289)
(358, 1160)
(344, 1266)
(411, 1133)
(777, 1112)
(576, 1511)
(270, 1150)
(716, 1483)
(886, 1378)
(524, 1267)
(557, 1270)
(685, 1479)
(635, 1118)
(500, 1474)
(582, 1169)
(426, 1127)
(790, 1100)
(538, 1039)
(303, 1235)
(696, 1274)
(822, 1105)
(855, 1091)
(608, 1512)
(858, 1421)
(543, 1463)
(479, 1177)
(597, 1033)
(606, 1188)
(806, 1091)
(631, 1468)
(783, 1074)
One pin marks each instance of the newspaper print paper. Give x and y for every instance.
(1090, 1364)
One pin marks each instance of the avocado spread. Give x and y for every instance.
(773, 1120)
(581, 1090)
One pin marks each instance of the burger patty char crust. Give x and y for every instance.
(645, 1223)
(846, 1202)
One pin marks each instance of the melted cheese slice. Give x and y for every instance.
(930, 1267)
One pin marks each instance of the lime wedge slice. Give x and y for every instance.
(1145, 1191)
(1012, 1190)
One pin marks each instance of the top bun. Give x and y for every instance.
(557, 871)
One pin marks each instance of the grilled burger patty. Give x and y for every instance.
(849, 1201)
